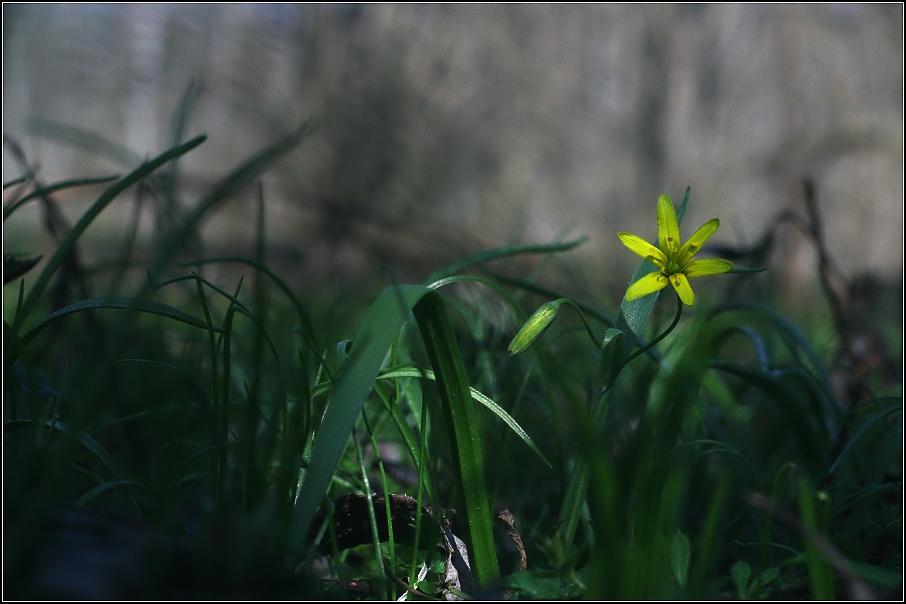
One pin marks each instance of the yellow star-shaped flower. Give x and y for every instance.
(674, 261)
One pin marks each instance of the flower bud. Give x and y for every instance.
(535, 326)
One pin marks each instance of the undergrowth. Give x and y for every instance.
(214, 439)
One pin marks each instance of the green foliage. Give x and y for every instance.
(708, 459)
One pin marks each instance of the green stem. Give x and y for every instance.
(372, 520)
(591, 334)
(679, 313)
(422, 484)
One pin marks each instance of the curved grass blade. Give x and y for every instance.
(14, 182)
(107, 486)
(372, 342)
(197, 390)
(199, 279)
(88, 217)
(14, 267)
(376, 334)
(514, 306)
(226, 188)
(883, 413)
(481, 398)
(553, 294)
(58, 186)
(84, 139)
(791, 335)
(81, 437)
(308, 330)
(502, 252)
(114, 302)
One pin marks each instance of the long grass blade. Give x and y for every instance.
(376, 334)
(58, 186)
(103, 201)
(226, 188)
(81, 437)
(465, 438)
(481, 398)
(113, 302)
(503, 252)
(84, 139)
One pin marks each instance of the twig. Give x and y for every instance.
(857, 587)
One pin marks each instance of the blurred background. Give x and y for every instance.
(445, 129)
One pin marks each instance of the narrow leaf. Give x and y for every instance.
(103, 201)
(481, 398)
(502, 252)
(376, 334)
(115, 302)
(59, 186)
(465, 438)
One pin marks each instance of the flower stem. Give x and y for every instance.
(679, 312)
(591, 334)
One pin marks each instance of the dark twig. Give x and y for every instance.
(827, 271)
(858, 588)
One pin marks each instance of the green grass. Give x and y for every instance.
(225, 423)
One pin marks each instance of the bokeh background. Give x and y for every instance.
(444, 129)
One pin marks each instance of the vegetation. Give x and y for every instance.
(170, 434)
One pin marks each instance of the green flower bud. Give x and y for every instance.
(535, 326)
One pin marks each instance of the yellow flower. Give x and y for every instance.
(674, 261)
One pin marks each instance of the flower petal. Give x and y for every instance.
(707, 266)
(697, 240)
(648, 284)
(668, 235)
(683, 289)
(643, 248)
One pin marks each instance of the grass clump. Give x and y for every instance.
(196, 438)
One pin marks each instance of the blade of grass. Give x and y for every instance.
(107, 486)
(574, 500)
(226, 188)
(308, 330)
(374, 338)
(399, 419)
(14, 182)
(481, 398)
(708, 547)
(81, 437)
(465, 435)
(57, 186)
(103, 201)
(502, 252)
(553, 294)
(112, 302)
(896, 406)
(13, 267)
(85, 139)
(819, 571)
(385, 488)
